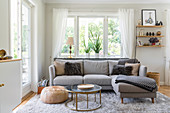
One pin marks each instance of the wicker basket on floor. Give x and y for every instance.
(155, 76)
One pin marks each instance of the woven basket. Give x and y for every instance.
(155, 76)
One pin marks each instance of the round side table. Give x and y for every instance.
(155, 76)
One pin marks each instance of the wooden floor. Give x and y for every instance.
(163, 89)
(26, 98)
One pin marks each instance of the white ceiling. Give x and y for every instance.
(109, 1)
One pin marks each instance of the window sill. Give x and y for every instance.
(91, 58)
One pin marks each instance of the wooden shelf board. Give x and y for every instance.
(152, 46)
(149, 26)
(149, 36)
(10, 60)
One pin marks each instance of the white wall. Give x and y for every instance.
(153, 58)
(4, 28)
(40, 37)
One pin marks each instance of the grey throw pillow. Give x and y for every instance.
(72, 68)
(122, 69)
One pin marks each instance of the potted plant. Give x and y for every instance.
(96, 43)
(87, 49)
(94, 38)
(153, 40)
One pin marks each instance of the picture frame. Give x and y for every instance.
(148, 17)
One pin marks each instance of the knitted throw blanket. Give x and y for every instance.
(142, 82)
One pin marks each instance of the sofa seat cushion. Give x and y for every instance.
(96, 67)
(111, 64)
(97, 79)
(68, 80)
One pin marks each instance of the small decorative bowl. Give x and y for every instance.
(2, 53)
(85, 86)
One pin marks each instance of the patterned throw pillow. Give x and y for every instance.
(122, 69)
(72, 68)
(135, 66)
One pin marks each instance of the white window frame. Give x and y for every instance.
(105, 16)
(30, 16)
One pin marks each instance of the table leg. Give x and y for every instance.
(95, 97)
(72, 96)
(73, 99)
(87, 101)
(100, 97)
(76, 102)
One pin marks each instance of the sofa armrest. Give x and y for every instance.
(51, 74)
(142, 70)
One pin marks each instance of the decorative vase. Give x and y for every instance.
(87, 55)
(158, 33)
(153, 43)
(157, 24)
(96, 55)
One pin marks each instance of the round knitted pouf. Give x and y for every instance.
(54, 94)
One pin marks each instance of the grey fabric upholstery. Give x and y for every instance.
(52, 74)
(111, 64)
(142, 70)
(114, 85)
(123, 87)
(99, 68)
(68, 80)
(130, 91)
(107, 87)
(138, 95)
(97, 79)
(96, 67)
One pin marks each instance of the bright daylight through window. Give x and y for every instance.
(93, 32)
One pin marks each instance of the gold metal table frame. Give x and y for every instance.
(76, 93)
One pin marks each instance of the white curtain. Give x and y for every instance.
(167, 49)
(126, 21)
(58, 30)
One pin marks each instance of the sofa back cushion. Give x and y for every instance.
(111, 64)
(96, 67)
(73, 61)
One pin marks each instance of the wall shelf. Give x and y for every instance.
(149, 26)
(149, 36)
(140, 38)
(152, 46)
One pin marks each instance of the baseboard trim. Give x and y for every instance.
(26, 90)
(162, 83)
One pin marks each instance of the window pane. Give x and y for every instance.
(15, 31)
(90, 29)
(26, 44)
(114, 45)
(69, 33)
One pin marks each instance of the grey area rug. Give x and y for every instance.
(111, 103)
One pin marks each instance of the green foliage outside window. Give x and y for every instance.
(95, 38)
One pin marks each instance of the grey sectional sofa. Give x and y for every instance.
(93, 72)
